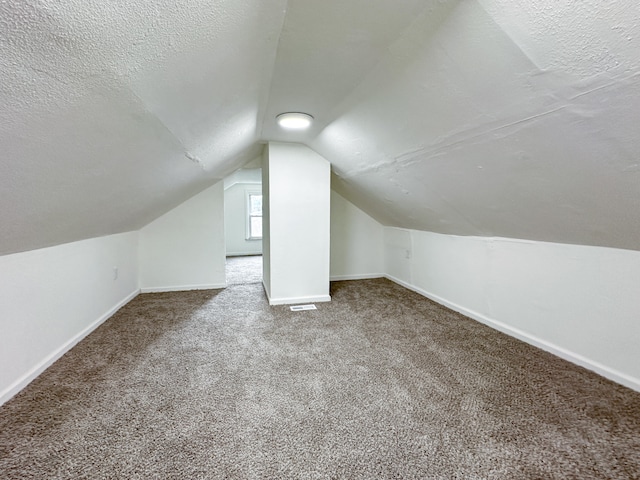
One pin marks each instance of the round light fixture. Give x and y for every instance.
(294, 120)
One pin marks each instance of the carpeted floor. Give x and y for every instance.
(378, 383)
(243, 270)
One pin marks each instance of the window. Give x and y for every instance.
(254, 216)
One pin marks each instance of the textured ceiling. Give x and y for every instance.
(485, 117)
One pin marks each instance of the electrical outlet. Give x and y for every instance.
(115, 273)
(407, 254)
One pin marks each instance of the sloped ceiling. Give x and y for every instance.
(485, 117)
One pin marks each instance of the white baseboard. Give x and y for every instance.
(295, 300)
(32, 374)
(298, 300)
(363, 276)
(183, 288)
(607, 372)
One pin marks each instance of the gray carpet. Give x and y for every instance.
(379, 383)
(243, 270)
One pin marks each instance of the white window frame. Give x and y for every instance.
(248, 193)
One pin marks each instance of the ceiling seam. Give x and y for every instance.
(265, 105)
(389, 48)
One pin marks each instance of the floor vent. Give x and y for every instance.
(299, 308)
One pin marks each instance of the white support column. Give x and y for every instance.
(296, 190)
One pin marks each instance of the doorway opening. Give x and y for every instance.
(243, 224)
(243, 270)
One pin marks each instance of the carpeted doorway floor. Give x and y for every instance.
(378, 383)
(244, 269)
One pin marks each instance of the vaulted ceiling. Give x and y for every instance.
(467, 117)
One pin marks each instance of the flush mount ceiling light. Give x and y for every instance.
(294, 120)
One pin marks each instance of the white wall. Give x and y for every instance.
(235, 220)
(298, 184)
(578, 302)
(53, 297)
(184, 249)
(249, 174)
(266, 222)
(357, 242)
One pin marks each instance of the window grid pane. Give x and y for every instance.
(255, 216)
(256, 227)
(255, 205)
